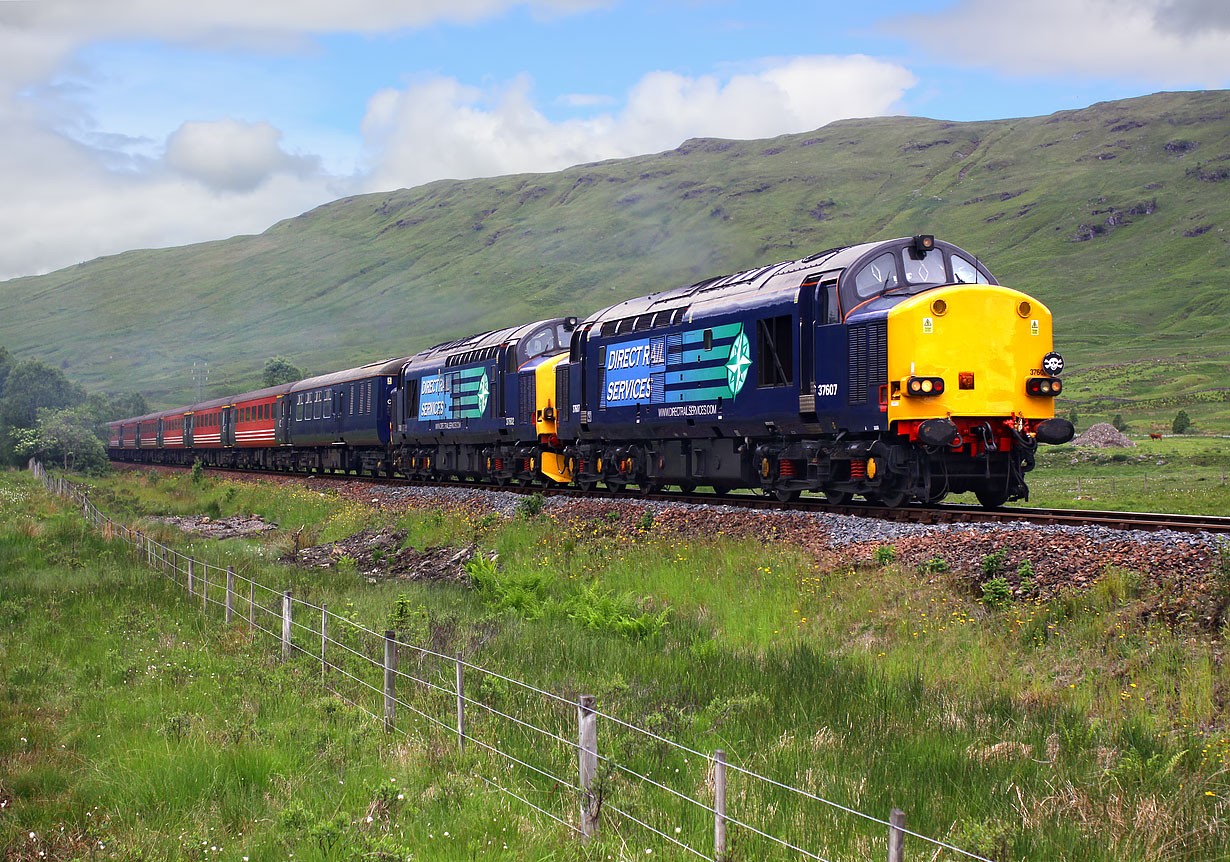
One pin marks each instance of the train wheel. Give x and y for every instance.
(838, 498)
(687, 487)
(991, 498)
(587, 485)
(721, 490)
(786, 496)
(888, 499)
(647, 488)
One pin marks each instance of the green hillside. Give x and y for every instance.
(1113, 215)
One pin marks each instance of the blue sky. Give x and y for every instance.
(147, 123)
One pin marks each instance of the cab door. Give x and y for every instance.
(188, 430)
(828, 363)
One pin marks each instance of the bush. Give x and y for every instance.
(934, 566)
(885, 554)
(198, 471)
(531, 506)
(1181, 422)
(996, 592)
(1118, 423)
(993, 564)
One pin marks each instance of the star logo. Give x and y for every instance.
(484, 391)
(737, 364)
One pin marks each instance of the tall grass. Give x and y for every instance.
(1071, 728)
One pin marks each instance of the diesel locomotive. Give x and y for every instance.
(895, 370)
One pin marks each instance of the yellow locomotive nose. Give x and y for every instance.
(968, 351)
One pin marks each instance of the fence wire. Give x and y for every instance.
(161, 557)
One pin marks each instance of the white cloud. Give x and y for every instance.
(228, 155)
(1176, 42)
(441, 128)
(73, 191)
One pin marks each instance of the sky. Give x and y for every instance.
(151, 123)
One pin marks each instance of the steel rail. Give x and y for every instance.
(921, 514)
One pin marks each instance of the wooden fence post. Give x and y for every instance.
(286, 600)
(896, 838)
(719, 805)
(191, 576)
(461, 705)
(587, 731)
(324, 639)
(230, 594)
(390, 665)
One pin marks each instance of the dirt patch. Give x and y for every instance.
(378, 554)
(233, 527)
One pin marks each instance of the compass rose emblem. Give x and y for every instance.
(737, 364)
(484, 392)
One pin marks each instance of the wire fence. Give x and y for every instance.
(532, 745)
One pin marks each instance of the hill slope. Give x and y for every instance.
(1113, 215)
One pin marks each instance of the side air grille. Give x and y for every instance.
(562, 390)
(527, 398)
(867, 360)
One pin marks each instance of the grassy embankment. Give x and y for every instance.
(133, 725)
(1189, 475)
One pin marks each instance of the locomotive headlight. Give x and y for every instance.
(924, 386)
(1047, 386)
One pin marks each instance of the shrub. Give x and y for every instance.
(1181, 422)
(531, 506)
(198, 471)
(646, 522)
(994, 564)
(996, 592)
(884, 555)
(1118, 423)
(934, 566)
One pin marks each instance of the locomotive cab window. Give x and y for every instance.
(877, 276)
(964, 272)
(774, 351)
(925, 267)
(539, 342)
(830, 312)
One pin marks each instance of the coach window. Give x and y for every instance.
(774, 351)
(299, 407)
(964, 272)
(327, 400)
(877, 276)
(316, 409)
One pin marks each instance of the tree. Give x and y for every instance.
(1181, 422)
(6, 363)
(65, 435)
(105, 406)
(279, 370)
(1118, 423)
(1072, 417)
(31, 386)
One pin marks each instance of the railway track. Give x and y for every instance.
(938, 514)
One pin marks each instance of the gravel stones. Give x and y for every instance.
(379, 554)
(1103, 436)
(234, 527)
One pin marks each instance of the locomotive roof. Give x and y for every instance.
(433, 356)
(373, 369)
(762, 282)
